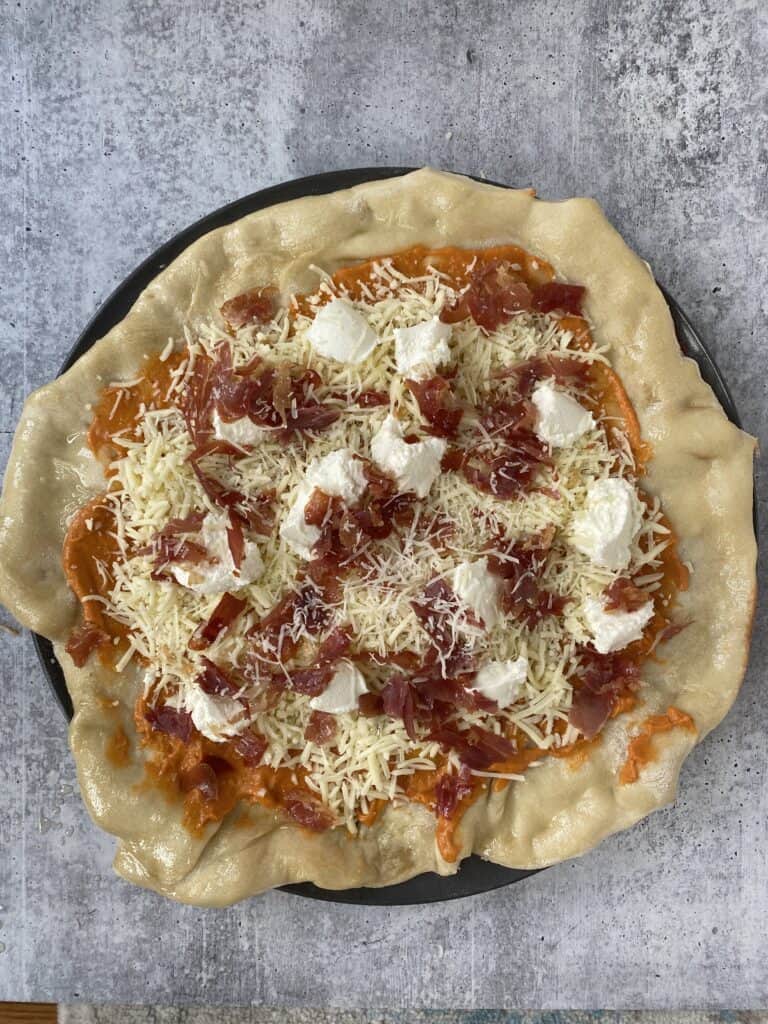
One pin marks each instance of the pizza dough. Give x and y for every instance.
(701, 468)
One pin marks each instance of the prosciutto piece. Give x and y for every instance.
(314, 680)
(236, 539)
(567, 371)
(215, 681)
(196, 402)
(298, 612)
(451, 789)
(169, 550)
(439, 532)
(201, 777)
(317, 507)
(171, 721)
(321, 728)
(623, 596)
(266, 681)
(221, 495)
(308, 812)
(259, 511)
(520, 564)
(437, 405)
(590, 711)
(311, 681)
(497, 292)
(371, 705)
(278, 397)
(335, 646)
(172, 544)
(345, 532)
(371, 399)
(431, 695)
(398, 702)
(220, 619)
(436, 610)
(256, 306)
(181, 527)
(508, 455)
(250, 746)
(308, 419)
(443, 697)
(477, 748)
(84, 640)
(598, 685)
(554, 295)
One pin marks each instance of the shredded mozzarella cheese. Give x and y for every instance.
(370, 758)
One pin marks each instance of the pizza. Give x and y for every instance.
(389, 527)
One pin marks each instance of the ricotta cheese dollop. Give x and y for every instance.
(608, 523)
(340, 332)
(243, 432)
(478, 589)
(342, 693)
(561, 420)
(613, 631)
(421, 349)
(219, 574)
(214, 717)
(415, 466)
(501, 680)
(338, 474)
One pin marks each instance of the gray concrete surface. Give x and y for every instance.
(121, 121)
(88, 1014)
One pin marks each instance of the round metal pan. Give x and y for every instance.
(475, 875)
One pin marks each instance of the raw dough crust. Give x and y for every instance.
(701, 466)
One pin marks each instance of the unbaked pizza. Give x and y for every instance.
(388, 527)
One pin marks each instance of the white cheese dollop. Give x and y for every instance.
(612, 631)
(339, 474)
(501, 680)
(478, 589)
(243, 432)
(214, 717)
(341, 694)
(561, 419)
(420, 349)
(219, 575)
(415, 466)
(340, 332)
(605, 528)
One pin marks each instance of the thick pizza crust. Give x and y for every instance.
(702, 467)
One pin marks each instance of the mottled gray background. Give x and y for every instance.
(85, 1013)
(121, 122)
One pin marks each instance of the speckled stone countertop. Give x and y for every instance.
(121, 122)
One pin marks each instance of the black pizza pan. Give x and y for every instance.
(474, 875)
